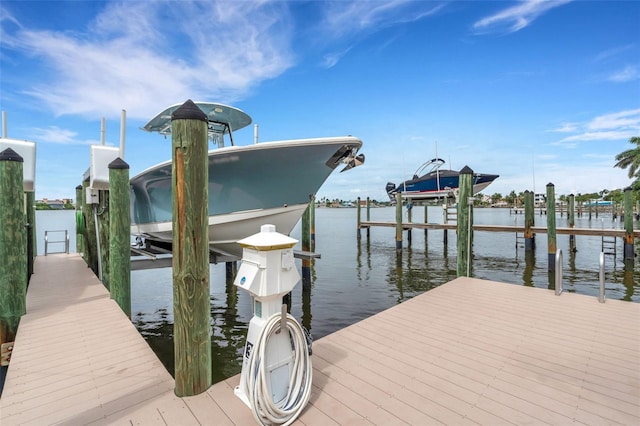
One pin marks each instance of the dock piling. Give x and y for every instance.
(572, 222)
(306, 243)
(628, 227)
(398, 222)
(191, 306)
(551, 225)
(529, 237)
(368, 216)
(359, 226)
(465, 222)
(119, 235)
(13, 245)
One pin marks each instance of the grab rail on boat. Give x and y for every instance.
(558, 272)
(601, 295)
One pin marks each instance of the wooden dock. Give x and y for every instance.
(467, 352)
(599, 232)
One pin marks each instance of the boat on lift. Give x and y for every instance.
(430, 182)
(249, 185)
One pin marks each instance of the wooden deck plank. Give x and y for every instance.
(470, 352)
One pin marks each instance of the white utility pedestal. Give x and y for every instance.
(275, 339)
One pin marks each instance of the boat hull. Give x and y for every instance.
(433, 186)
(269, 182)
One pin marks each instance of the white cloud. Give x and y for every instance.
(140, 57)
(628, 73)
(354, 17)
(566, 128)
(57, 135)
(621, 119)
(516, 17)
(613, 126)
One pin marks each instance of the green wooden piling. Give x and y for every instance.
(359, 220)
(409, 219)
(191, 307)
(445, 220)
(32, 250)
(13, 245)
(306, 244)
(398, 222)
(368, 217)
(103, 231)
(89, 240)
(572, 222)
(464, 223)
(426, 219)
(628, 227)
(120, 235)
(312, 224)
(79, 227)
(529, 237)
(551, 226)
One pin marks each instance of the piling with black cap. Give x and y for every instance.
(191, 306)
(120, 235)
(628, 228)
(464, 223)
(529, 237)
(572, 222)
(13, 245)
(551, 226)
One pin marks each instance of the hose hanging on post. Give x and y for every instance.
(264, 409)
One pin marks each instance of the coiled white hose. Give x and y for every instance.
(265, 410)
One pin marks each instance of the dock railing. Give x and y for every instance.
(65, 241)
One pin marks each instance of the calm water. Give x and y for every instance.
(356, 279)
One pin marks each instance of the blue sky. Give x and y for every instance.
(535, 91)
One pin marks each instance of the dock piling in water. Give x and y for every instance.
(529, 237)
(191, 305)
(119, 235)
(465, 222)
(572, 223)
(551, 225)
(398, 222)
(628, 227)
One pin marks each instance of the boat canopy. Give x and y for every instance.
(435, 164)
(223, 119)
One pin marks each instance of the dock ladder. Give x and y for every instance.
(608, 246)
(65, 241)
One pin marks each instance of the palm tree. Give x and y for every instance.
(630, 159)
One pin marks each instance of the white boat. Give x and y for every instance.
(249, 185)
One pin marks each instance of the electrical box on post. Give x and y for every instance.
(101, 156)
(91, 196)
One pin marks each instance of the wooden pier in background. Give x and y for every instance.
(467, 352)
(598, 232)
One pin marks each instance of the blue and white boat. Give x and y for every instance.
(249, 185)
(430, 182)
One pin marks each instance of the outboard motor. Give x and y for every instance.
(391, 192)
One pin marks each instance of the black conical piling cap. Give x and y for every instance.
(466, 170)
(118, 163)
(189, 111)
(79, 187)
(550, 184)
(10, 155)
